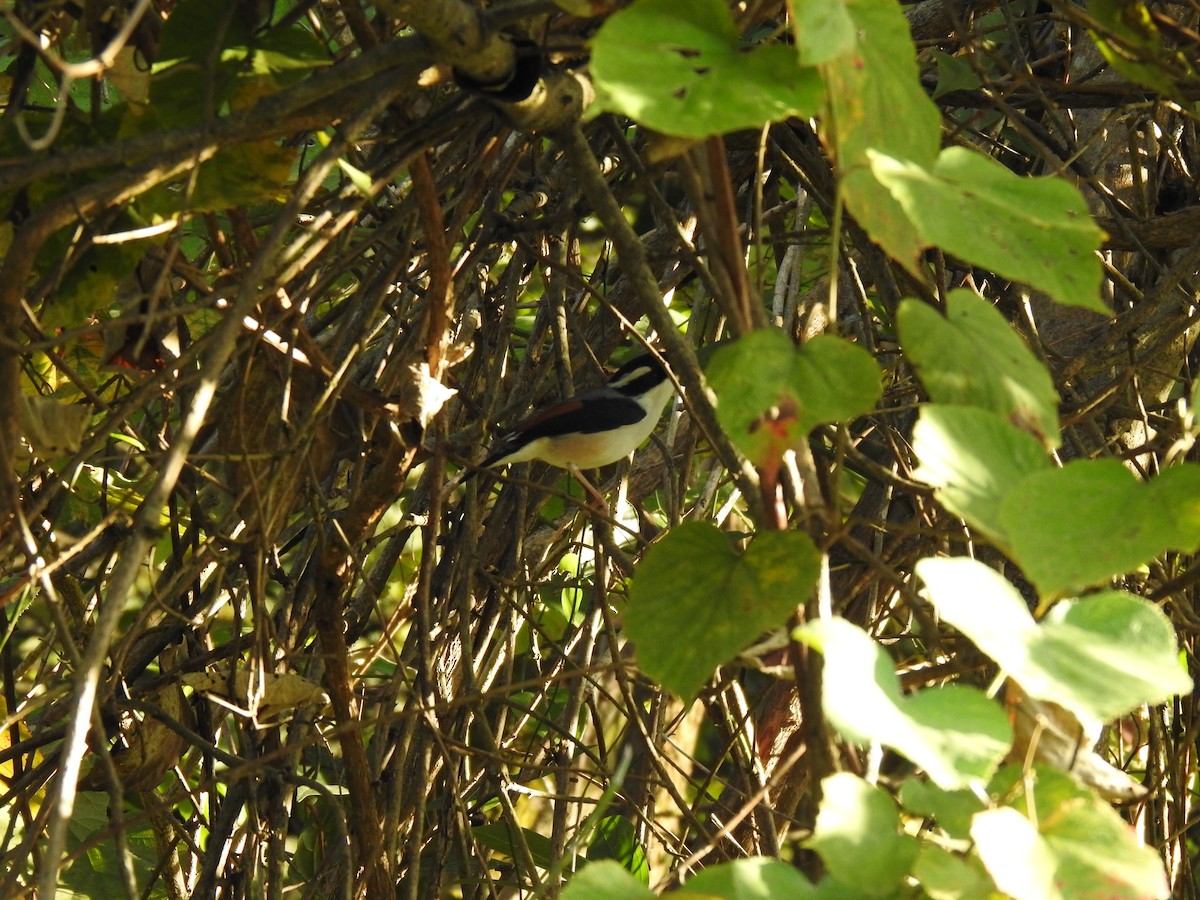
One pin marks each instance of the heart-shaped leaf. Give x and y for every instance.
(973, 357)
(679, 67)
(974, 459)
(770, 396)
(955, 733)
(1078, 526)
(695, 601)
(1100, 656)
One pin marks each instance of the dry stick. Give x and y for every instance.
(437, 252)
(86, 683)
(731, 251)
(312, 103)
(697, 175)
(385, 483)
(636, 268)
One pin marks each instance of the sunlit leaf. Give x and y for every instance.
(695, 600)
(954, 732)
(678, 67)
(1100, 656)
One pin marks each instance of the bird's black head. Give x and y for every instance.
(638, 375)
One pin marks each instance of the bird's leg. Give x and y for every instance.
(601, 504)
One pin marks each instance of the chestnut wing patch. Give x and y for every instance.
(601, 414)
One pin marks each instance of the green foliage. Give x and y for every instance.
(1055, 839)
(955, 733)
(477, 656)
(679, 67)
(606, 880)
(695, 600)
(96, 873)
(769, 396)
(616, 839)
(500, 837)
(1035, 230)
(859, 839)
(877, 105)
(974, 459)
(1100, 656)
(823, 30)
(971, 356)
(249, 61)
(1126, 35)
(749, 879)
(237, 176)
(1102, 519)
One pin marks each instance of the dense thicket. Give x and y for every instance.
(274, 273)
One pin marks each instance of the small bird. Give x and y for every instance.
(594, 428)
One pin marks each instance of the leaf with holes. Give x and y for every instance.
(678, 66)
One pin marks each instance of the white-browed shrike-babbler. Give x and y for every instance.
(593, 428)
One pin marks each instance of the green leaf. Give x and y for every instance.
(954, 73)
(974, 460)
(756, 878)
(858, 838)
(876, 101)
(1077, 526)
(616, 839)
(951, 810)
(677, 66)
(973, 357)
(1132, 45)
(192, 30)
(97, 872)
(243, 175)
(1090, 849)
(1015, 855)
(874, 91)
(769, 396)
(1034, 230)
(694, 601)
(288, 50)
(1100, 657)
(202, 57)
(945, 876)
(883, 218)
(239, 175)
(955, 733)
(498, 836)
(823, 30)
(605, 880)
(91, 284)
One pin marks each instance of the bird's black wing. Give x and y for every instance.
(576, 417)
